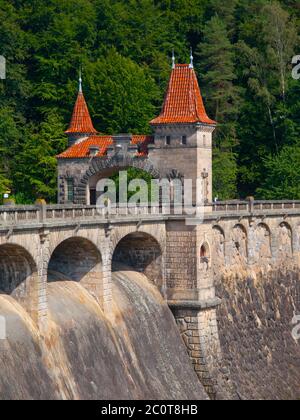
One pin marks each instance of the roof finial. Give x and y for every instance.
(173, 59)
(80, 80)
(192, 59)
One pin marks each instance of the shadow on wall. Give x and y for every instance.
(78, 260)
(142, 253)
(18, 274)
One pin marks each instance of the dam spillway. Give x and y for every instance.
(137, 354)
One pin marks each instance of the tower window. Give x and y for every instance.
(168, 140)
(184, 140)
(70, 190)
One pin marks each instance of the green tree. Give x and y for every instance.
(282, 179)
(244, 51)
(224, 173)
(221, 96)
(4, 185)
(266, 125)
(10, 142)
(122, 95)
(35, 174)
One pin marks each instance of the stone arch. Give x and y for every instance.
(218, 244)
(285, 240)
(112, 164)
(78, 259)
(240, 242)
(142, 252)
(19, 277)
(263, 241)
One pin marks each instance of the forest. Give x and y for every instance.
(243, 53)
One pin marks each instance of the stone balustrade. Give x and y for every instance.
(26, 215)
(250, 206)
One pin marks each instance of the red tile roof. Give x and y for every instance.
(183, 102)
(143, 141)
(81, 121)
(82, 149)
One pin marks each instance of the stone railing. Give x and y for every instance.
(25, 215)
(252, 206)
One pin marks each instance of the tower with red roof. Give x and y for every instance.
(81, 125)
(181, 145)
(183, 130)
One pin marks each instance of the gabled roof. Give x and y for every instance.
(81, 121)
(183, 101)
(82, 149)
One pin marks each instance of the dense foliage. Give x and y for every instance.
(243, 54)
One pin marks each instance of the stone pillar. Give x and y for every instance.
(252, 243)
(197, 320)
(228, 244)
(107, 276)
(43, 261)
(199, 331)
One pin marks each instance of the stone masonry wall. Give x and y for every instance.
(199, 332)
(181, 262)
(255, 326)
(255, 265)
(257, 276)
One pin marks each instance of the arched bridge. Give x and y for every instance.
(42, 244)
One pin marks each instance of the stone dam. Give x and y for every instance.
(147, 306)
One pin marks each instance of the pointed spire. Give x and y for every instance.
(173, 59)
(192, 59)
(81, 122)
(183, 101)
(80, 80)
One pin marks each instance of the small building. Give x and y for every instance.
(180, 147)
